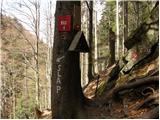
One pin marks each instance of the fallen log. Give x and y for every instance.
(151, 98)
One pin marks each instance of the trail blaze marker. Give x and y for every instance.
(64, 23)
(134, 55)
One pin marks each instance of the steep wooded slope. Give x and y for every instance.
(18, 67)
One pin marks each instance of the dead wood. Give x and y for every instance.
(137, 83)
(148, 91)
(152, 114)
(114, 92)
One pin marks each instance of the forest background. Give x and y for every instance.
(27, 31)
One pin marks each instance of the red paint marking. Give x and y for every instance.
(64, 23)
(77, 27)
(134, 55)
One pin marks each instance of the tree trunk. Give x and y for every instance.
(117, 29)
(49, 51)
(90, 67)
(37, 31)
(95, 44)
(66, 92)
(84, 24)
(1, 67)
(125, 20)
(112, 38)
(137, 7)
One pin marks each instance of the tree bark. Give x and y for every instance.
(138, 12)
(95, 44)
(1, 107)
(37, 31)
(66, 93)
(138, 82)
(90, 67)
(125, 20)
(117, 30)
(112, 38)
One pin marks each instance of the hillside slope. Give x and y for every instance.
(18, 69)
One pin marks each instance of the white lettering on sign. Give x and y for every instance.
(64, 28)
(58, 75)
(58, 82)
(59, 59)
(63, 22)
(58, 88)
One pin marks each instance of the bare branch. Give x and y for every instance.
(88, 6)
(30, 10)
(34, 69)
(24, 56)
(29, 77)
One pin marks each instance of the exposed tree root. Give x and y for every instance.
(150, 99)
(148, 91)
(137, 83)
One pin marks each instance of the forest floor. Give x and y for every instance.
(137, 96)
(134, 95)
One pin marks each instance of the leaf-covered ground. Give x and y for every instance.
(135, 95)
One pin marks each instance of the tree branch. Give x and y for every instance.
(88, 6)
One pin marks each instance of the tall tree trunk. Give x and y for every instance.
(1, 65)
(95, 45)
(13, 91)
(37, 31)
(84, 24)
(49, 51)
(112, 38)
(117, 28)
(66, 93)
(137, 7)
(125, 22)
(25, 86)
(90, 67)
